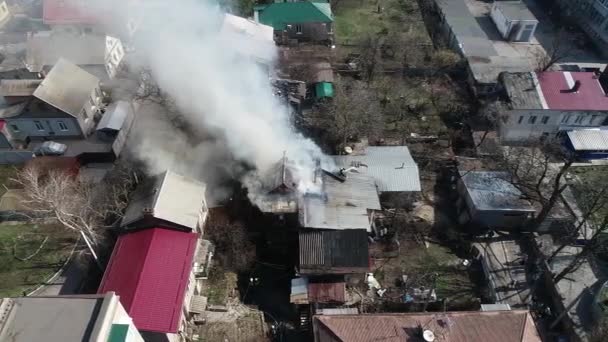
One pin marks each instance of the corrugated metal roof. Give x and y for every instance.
(149, 270)
(392, 167)
(18, 87)
(115, 116)
(278, 15)
(67, 87)
(491, 190)
(327, 292)
(333, 251)
(169, 197)
(343, 205)
(46, 48)
(324, 89)
(473, 326)
(589, 140)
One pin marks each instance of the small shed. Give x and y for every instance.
(588, 144)
(324, 89)
(489, 200)
(113, 119)
(514, 20)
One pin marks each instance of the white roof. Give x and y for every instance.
(171, 197)
(392, 167)
(67, 87)
(254, 39)
(589, 139)
(115, 116)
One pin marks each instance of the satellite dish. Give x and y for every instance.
(428, 336)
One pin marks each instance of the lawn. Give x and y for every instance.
(18, 272)
(436, 266)
(356, 19)
(218, 286)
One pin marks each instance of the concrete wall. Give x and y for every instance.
(522, 125)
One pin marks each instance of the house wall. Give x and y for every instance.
(316, 32)
(4, 142)
(519, 126)
(39, 128)
(506, 26)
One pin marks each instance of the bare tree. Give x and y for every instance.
(233, 247)
(82, 207)
(560, 49)
(354, 112)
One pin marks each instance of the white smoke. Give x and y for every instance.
(217, 89)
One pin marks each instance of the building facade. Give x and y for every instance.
(543, 104)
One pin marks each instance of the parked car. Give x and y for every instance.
(50, 148)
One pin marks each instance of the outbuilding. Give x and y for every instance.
(514, 20)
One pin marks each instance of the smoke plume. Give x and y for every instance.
(223, 95)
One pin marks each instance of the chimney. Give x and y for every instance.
(575, 87)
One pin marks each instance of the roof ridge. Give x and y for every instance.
(152, 233)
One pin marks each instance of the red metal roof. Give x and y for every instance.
(326, 292)
(67, 12)
(2, 124)
(554, 86)
(474, 326)
(149, 270)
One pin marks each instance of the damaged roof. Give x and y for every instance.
(169, 197)
(342, 205)
(46, 48)
(472, 326)
(392, 167)
(492, 190)
(333, 251)
(67, 87)
(18, 87)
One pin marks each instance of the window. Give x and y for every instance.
(15, 128)
(521, 119)
(544, 120)
(532, 119)
(39, 125)
(298, 28)
(566, 118)
(62, 125)
(592, 119)
(579, 119)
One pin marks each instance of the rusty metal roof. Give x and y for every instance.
(495, 326)
(327, 292)
(333, 251)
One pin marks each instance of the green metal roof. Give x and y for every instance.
(118, 333)
(280, 14)
(324, 89)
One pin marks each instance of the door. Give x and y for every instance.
(526, 33)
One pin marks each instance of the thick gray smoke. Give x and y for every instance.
(218, 88)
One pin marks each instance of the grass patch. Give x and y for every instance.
(357, 19)
(219, 285)
(436, 266)
(20, 241)
(7, 172)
